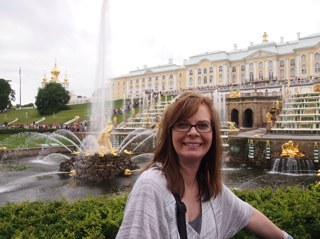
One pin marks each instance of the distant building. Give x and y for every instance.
(265, 63)
(55, 72)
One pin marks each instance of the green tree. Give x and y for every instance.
(6, 94)
(52, 99)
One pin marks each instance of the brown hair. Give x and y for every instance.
(209, 174)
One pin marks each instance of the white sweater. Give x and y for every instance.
(151, 212)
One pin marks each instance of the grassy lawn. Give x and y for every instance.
(28, 116)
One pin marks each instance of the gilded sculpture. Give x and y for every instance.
(291, 150)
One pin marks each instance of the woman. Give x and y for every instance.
(187, 163)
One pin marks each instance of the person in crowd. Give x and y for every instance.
(187, 166)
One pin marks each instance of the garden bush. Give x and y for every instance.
(293, 209)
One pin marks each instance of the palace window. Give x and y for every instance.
(242, 78)
(243, 68)
(137, 81)
(234, 80)
(281, 63)
(171, 84)
(199, 71)
(220, 69)
(270, 64)
(292, 62)
(211, 79)
(270, 75)
(317, 68)
(260, 75)
(190, 81)
(191, 72)
(150, 79)
(304, 69)
(163, 77)
(292, 72)
(260, 65)
(211, 69)
(205, 80)
(281, 73)
(156, 78)
(199, 80)
(303, 58)
(317, 56)
(142, 79)
(234, 69)
(205, 71)
(180, 75)
(130, 82)
(171, 76)
(251, 76)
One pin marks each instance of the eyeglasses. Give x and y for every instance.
(186, 127)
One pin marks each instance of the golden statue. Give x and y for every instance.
(269, 116)
(277, 104)
(232, 125)
(73, 173)
(104, 139)
(234, 93)
(3, 148)
(288, 149)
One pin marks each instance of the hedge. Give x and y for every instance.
(293, 209)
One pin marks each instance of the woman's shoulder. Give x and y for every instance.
(152, 177)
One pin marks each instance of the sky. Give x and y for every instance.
(36, 34)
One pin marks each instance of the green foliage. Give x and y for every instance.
(88, 218)
(7, 94)
(293, 209)
(52, 99)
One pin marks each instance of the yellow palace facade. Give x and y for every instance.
(264, 63)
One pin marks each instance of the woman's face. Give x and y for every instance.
(192, 146)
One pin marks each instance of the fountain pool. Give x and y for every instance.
(34, 178)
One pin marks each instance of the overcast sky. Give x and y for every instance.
(36, 33)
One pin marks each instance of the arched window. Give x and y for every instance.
(243, 78)
(211, 79)
(163, 77)
(292, 62)
(243, 68)
(156, 78)
(199, 80)
(303, 58)
(130, 82)
(171, 84)
(317, 68)
(251, 76)
(205, 71)
(292, 72)
(251, 67)
(281, 63)
(191, 81)
(270, 75)
(260, 65)
(220, 69)
(260, 75)
(191, 72)
(270, 64)
(150, 79)
(205, 80)
(143, 80)
(211, 69)
(234, 69)
(234, 79)
(281, 73)
(171, 76)
(137, 81)
(180, 75)
(317, 56)
(304, 69)
(199, 71)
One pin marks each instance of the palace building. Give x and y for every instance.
(266, 63)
